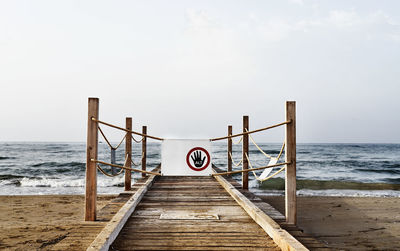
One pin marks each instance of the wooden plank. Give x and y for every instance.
(225, 235)
(131, 241)
(138, 247)
(232, 231)
(232, 228)
(186, 199)
(187, 204)
(290, 156)
(281, 237)
(91, 153)
(212, 222)
(233, 211)
(112, 229)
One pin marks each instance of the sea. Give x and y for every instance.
(361, 170)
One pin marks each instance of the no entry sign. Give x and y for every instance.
(186, 157)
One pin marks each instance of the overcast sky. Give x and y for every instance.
(187, 69)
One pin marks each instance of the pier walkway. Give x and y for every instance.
(187, 203)
(190, 213)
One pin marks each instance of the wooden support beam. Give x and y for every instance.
(128, 154)
(144, 150)
(91, 153)
(229, 149)
(245, 151)
(290, 156)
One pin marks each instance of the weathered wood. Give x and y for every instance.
(281, 237)
(131, 241)
(245, 153)
(290, 156)
(234, 230)
(128, 154)
(229, 149)
(138, 247)
(112, 229)
(91, 153)
(144, 150)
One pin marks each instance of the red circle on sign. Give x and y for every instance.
(188, 159)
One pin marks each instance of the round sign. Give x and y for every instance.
(198, 159)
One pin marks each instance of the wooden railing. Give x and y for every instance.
(92, 156)
(92, 161)
(290, 157)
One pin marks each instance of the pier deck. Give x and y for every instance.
(190, 197)
(182, 197)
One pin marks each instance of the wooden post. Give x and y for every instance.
(144, 150)
(245, 151)
(229, 149)
(128, 154)
(91, 153)
(290, 156)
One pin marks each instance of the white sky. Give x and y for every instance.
(189, 68)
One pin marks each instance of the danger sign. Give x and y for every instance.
(198, 159)
(186, 157)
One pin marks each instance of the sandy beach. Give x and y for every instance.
(39, 222)
(349, 223)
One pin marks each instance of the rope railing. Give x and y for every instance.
(250, 132)
(133, 163)
(126, 130)
(240, 140)
(233, 162)
(112, 175)
(124, 167)
(107, 174)
(266, 178)
(108, 142)
(262, 151)
(137, 141)
(251, 169)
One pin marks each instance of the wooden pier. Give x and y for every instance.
(211, 212)
(190, 213)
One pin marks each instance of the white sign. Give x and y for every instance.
(186, 157)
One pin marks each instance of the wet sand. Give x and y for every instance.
(349, 223)
(37, 222)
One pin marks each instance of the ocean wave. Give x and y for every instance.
(10, 182)
(266, 151)
(4, 158)
(393, 180)
(388, 164)
(70, 182)
(378, 171)
(10, 176)
(59, 164)
(279, 184)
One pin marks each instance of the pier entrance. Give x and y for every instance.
(187, 203)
